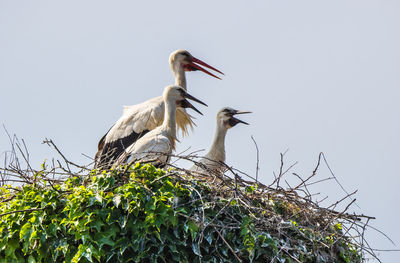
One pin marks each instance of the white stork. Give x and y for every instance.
(214, 160)
(157, 145)
(137, 120)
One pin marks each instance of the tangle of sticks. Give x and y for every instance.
(260, 200)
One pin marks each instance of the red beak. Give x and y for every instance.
(198, 61)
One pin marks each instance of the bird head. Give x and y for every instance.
(225, 117)
(183, 59)
(180, 96)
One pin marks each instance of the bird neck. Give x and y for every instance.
(180, 76)
(218, 146)
(169, 123)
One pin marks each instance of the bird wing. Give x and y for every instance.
(154, 147)
(136, 120)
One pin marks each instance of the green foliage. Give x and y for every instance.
(150, 215)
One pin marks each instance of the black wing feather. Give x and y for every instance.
(109, 152)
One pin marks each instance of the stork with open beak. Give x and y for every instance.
(137, 120)
(157, 145)
(214, 160)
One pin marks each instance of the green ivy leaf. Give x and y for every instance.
(13, 244)
(196, 248)
(117, 200)
(104, 238)
(193, 228)
(31, 259)
(26, 231)
(97, 224)
(209, 237)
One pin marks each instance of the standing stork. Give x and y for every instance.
(214, 160)
(157, 145)
(137, 120)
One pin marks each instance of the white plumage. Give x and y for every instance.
(139, 119)
(214, 160)
(157, 145)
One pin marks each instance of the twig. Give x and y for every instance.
(67, 162)
(258, 158)
(227, 244)
(333, 175)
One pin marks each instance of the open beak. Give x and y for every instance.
(242, 112)
(186, 104)
(193, 63)
(233, 121)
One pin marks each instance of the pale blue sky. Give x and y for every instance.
(318, 75)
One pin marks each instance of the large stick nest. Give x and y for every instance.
(289, 216)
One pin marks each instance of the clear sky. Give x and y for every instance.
(318, 76)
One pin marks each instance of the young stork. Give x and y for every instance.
(137, 120)
(157, 145)
(214, 160)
